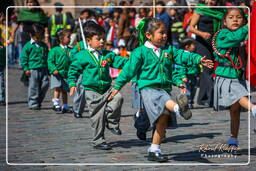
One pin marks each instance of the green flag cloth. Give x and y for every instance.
(35, 16)
(216, 14)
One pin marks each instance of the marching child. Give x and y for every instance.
(189, 75)
(230, 90)
(34, 63)
(94, 63)
(153, 63)
(58, 64)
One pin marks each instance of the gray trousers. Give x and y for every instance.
(79, 97)
(38, 86)
(103, 113)
(2, 85)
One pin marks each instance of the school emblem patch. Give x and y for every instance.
(104, 63)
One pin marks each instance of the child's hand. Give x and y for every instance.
(56, 72)
(72, 91)
(206, 62)
(113, 93)
(182, 89)
(28, 73)
(206, 35)
(185, 80)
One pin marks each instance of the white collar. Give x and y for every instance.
(148, 44)
(91, 49)
(32, 41)
(63, 46)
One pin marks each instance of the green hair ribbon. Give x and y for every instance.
(140, 28)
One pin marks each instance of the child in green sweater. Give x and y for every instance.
(153, 63)
(34, 64)
(230, 90)
(94, 63)
(58, 64)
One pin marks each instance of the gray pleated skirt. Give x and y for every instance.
(228, 91)
(154, 102)
(57, 81)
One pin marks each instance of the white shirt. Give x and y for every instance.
(63, 46)
(94, 52)
(33, 41)
(156, 50)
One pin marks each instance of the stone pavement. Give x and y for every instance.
(41, 137)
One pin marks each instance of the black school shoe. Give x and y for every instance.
(158, 157)
(56, 108)
(142, 135)
(182, 101)
(102, 146)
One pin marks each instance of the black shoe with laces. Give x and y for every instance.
(158, 157)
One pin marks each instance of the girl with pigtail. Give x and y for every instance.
(152, 62)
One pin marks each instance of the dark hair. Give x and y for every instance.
(151, 25)
(86, 11)
(91, 29)
(186, 41)
(62, 33)
(37, 29)
(228, 11)
(160, 3)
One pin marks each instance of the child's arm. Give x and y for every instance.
(129, 71)
(51, 63)
(118, 62)
(24, 60)
(185, 58)
(74, 71)
(229, 39)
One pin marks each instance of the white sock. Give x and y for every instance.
(176, 109)
(138, 113)
(65, 106)
(254, 111)
(154, 148)
(56, 101)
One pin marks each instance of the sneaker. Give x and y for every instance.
(182, 101)
(56, 108)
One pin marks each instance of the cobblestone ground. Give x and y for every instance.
(42, 137)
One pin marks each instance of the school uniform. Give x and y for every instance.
(191, 73)
(229, 86)
(79, 96)
(96, 81)
(2, 77)
(154, 67)
(34, 58)
(58, 59)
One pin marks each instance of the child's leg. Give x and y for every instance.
(65, 107)
(154, 150)
(33, 90)
(160, 129)
(235, 119)
(246, 103)
(114, 113)
(44, 84)
(56, 99)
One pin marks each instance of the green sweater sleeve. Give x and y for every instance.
(74, 69)
(24, 58)
(51, 61)
(118, 62)
(129, 70)
(184, 58)
(229, 39)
